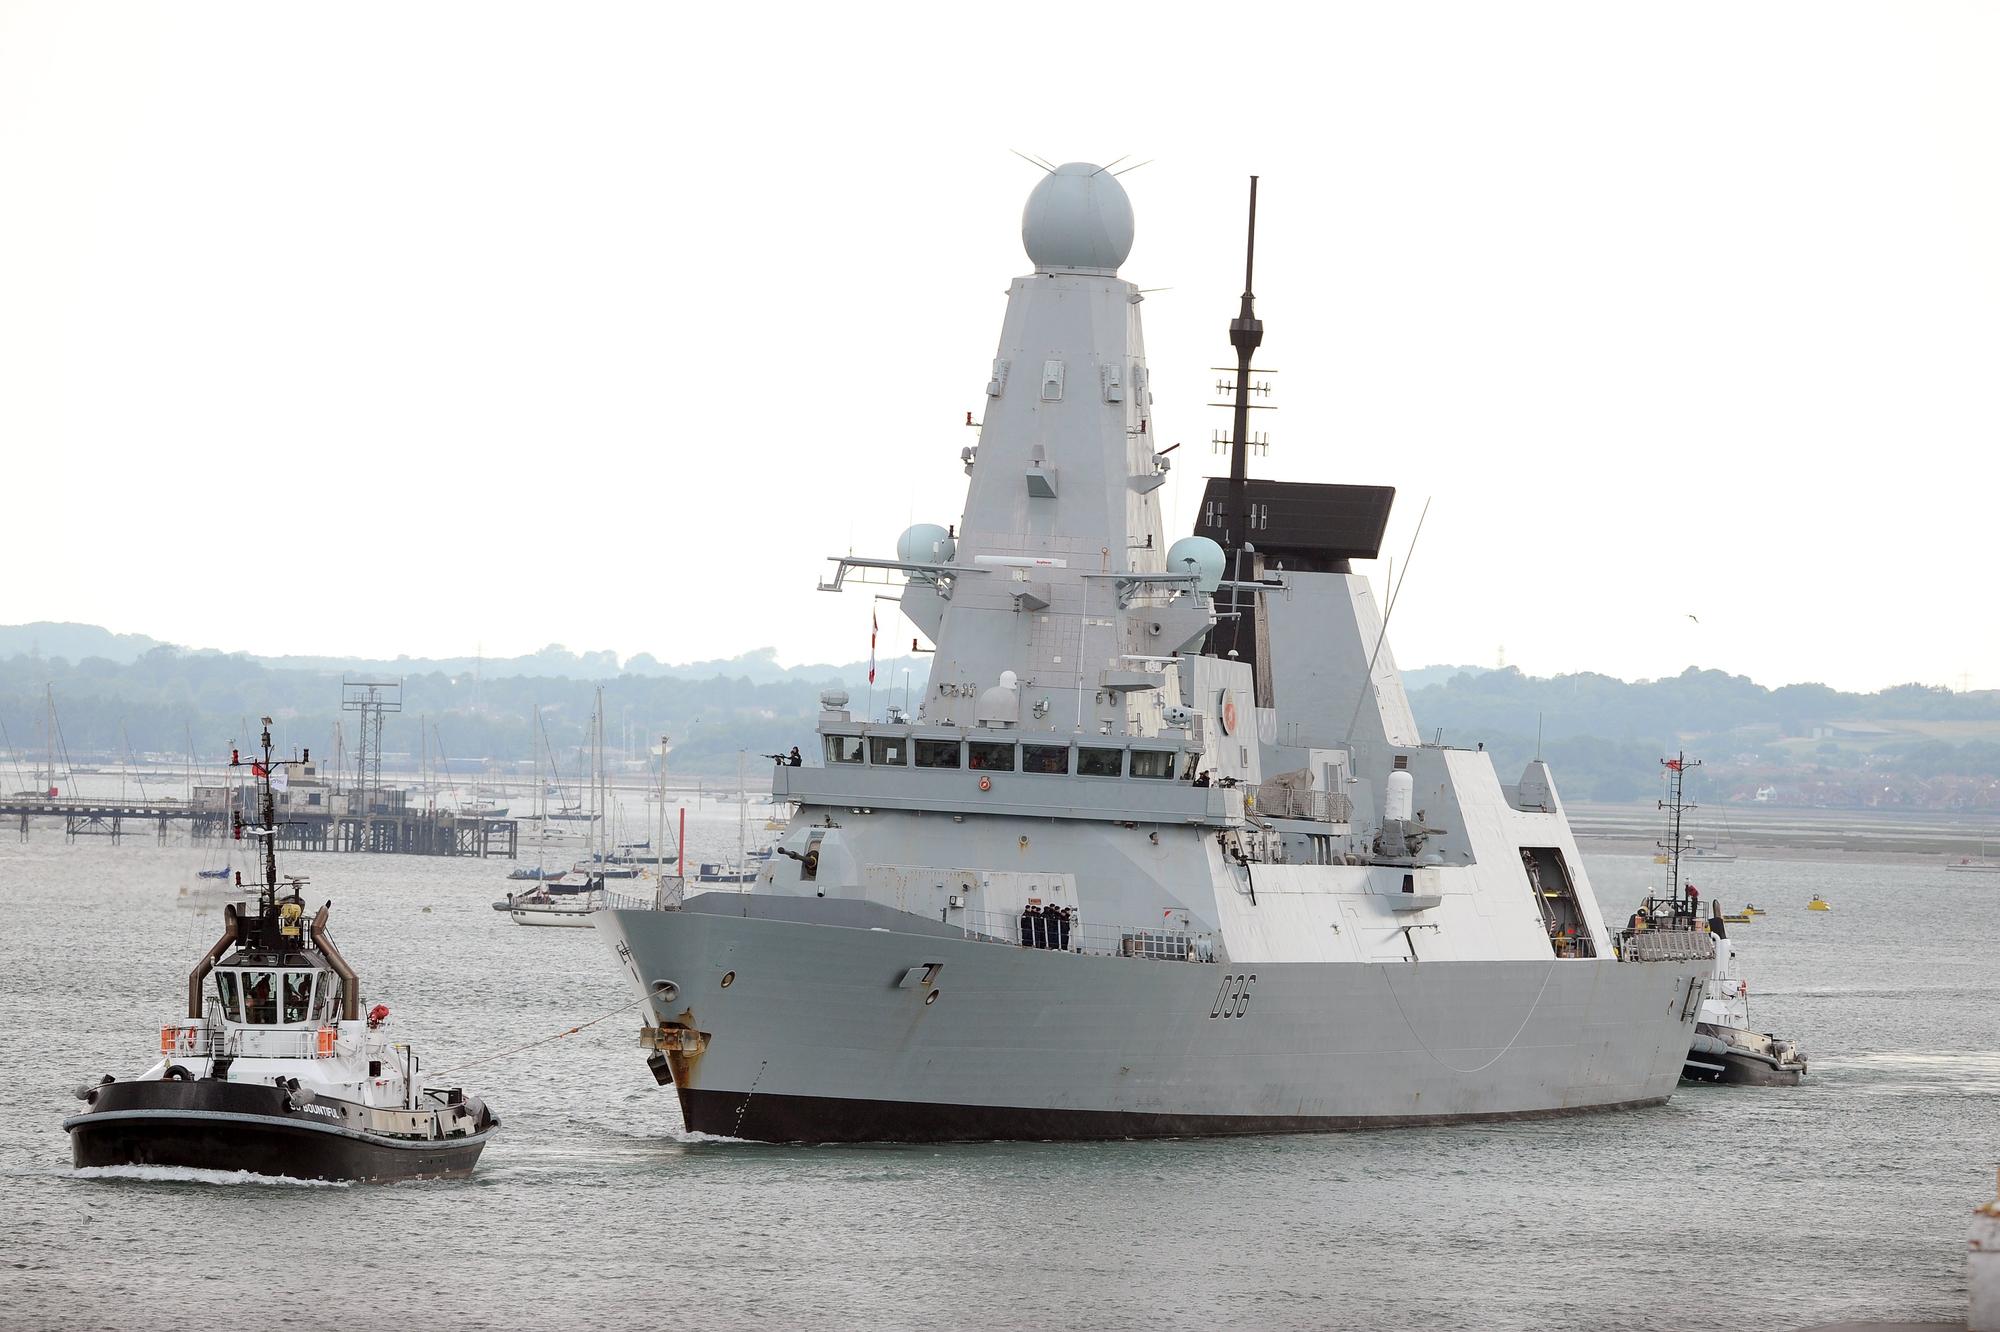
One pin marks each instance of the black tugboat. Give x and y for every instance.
(275, 1070)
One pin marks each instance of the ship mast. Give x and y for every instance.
(266, 827)
(1676, 767)
(1246, 334)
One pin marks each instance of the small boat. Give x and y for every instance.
(222, 873)
(715, 872)
(542, 907)
(276, 1070)
(533, 872)
(1979, 864)
(1819, 903)
(1750, 910)
(1725, 1048)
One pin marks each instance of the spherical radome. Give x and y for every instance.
(1077, 218)
(926, 543)
(1206, 555)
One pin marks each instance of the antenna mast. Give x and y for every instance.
(1246, 334)
(1676, 767)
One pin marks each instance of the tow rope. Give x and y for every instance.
(542, 1040)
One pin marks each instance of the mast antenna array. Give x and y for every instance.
(1676, 806)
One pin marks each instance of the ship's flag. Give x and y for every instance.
(1674, 765)
(280, 780)
(874, 626)
(259, 770)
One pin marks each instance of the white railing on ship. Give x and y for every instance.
(671, 892)
(1665, 945)
(1076, 935)
(201, 1042)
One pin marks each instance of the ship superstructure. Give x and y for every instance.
(1161, 850)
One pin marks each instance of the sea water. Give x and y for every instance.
(1726, 1208)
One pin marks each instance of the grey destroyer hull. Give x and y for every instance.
(790, 1030)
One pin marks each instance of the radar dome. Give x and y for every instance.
(926, 543)
(1078, 220)
(1204, 553)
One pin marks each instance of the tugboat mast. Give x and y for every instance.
(1676, 767)
(266, 827)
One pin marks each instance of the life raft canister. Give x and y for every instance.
(325, 1043)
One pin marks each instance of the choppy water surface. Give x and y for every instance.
(1848, 1197)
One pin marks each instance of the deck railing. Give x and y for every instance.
(672, 891)
(1665, 945)
(1278, 800)
(205, 1042)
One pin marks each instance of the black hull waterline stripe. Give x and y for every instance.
(770, 1118)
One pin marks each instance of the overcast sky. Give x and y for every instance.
(385, 329)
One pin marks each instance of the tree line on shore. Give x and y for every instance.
(1604, 737)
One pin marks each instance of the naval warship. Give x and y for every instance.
(1162, 850)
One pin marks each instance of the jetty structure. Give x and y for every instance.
(1162, 850)
(315, 810)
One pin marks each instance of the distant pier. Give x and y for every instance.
(393, 829)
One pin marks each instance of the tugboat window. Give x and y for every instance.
(1099, 762)
(1153, 763)
(888, 751)
(1045, 758)
(937, 753)
(990, 756)
(225, 986)
(260, 998)
(329, 999)
(298, 995)
(843, 749)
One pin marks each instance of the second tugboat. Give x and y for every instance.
(276, 1071)
(1725, 1048)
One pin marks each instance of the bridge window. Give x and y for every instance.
(225, 986)
(843, 749)
(889, 751)
(1045, 758)
(260, 998)
(990, 756)
(937, 753)
(1100, 762)
(1153, 763)
(298, 995)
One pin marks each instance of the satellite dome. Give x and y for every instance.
(926, 543)
(1000, 705)
(1078, 220)
(1206, 555)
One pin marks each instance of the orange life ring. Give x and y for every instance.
(986, 783)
